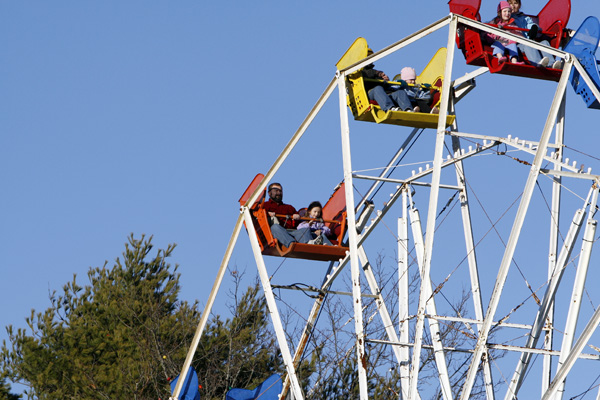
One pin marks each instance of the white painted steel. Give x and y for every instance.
(383, 312)
(503, 347)
(431, 214)
(353, 241)
(387, 169)
(403, 182)
(544, 309)
(471, 258)
(307, 331)
(434, 328)
(424, 248)
(553, 245)
(563, 371)
(403, 295)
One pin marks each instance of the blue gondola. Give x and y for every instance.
(583, 45)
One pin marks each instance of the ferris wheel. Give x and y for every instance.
(529, 320)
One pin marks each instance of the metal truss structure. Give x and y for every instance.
(545, 159)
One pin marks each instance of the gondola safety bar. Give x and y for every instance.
(309, 219)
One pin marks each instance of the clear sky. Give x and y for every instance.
(151, 117)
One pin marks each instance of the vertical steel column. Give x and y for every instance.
(432, 212)
(381, 307)
(430, 306)
(553, 247)
(472, 259)
(207, 309)
(480, 347)
(272, 306)
(578, 287)
(352, 237)
(403, 300)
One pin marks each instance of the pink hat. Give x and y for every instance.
(408, 73)
(503, 5)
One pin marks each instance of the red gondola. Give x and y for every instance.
(334, 215)
(552, 21)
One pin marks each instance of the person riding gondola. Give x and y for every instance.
(389, 97)
(284, 230)
(534, 56)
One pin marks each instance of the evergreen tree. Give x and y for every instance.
(5, 393)
(126, 334)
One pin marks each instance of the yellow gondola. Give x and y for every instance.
(365, 110)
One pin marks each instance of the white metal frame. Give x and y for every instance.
(452, 91)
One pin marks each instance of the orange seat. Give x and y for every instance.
(334, 211)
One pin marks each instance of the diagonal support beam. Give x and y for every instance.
(207, 309)
(548, 300)
(431, 214)
(480, 347)
(431, 308)
(553, 245)
(578, 288)
(272, 306)
(562, 373)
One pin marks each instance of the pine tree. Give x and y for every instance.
(5, 391)
(126, 334)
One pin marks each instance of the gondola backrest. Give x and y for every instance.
(358, 100)
(253, 185)
(261, 222)
(553, 18)
(335, 209)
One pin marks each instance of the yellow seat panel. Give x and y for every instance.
(404, 118)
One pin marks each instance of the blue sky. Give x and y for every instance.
(151, 117)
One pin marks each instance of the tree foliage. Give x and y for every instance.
(126, 334)
(5, 391)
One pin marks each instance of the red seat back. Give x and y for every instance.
(250, 189)
(554, 18)
(335, 209)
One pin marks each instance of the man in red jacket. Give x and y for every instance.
(284, 229)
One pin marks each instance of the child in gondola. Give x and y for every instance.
(317, 227)
(502, 45)
(534, 56)
(420, 95)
